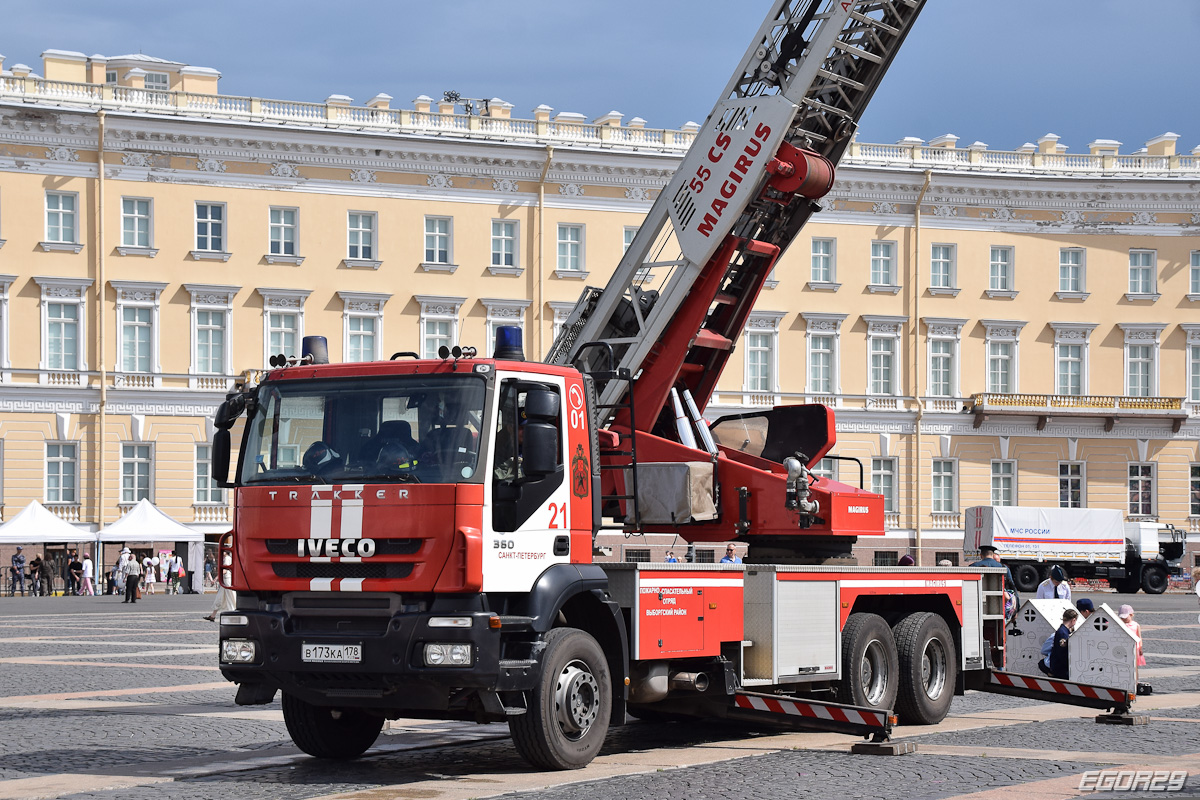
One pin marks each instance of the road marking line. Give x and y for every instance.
(50, 786)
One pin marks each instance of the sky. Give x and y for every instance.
(1003, 72)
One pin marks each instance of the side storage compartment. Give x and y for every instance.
(793, 625)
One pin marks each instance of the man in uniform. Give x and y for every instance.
(988, 558)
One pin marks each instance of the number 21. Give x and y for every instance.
(555, 510)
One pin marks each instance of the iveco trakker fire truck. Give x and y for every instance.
(414, 537)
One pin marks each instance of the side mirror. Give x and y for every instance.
(229, 411)
(540, 449)
(220, 457)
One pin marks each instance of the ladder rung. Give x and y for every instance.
(817, 104)
(857, 51)
(841, 79)
(883, 26)
(712, 340)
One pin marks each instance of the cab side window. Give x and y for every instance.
(527, 465)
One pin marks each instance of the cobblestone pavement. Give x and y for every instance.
(111, 702)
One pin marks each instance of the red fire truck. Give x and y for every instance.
(414, 537)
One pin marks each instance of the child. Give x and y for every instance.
(1125, 612)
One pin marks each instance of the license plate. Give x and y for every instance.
(331, 653)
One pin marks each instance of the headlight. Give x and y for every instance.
(234, 619)
(450, 622)
(238, 651)
(447, 655)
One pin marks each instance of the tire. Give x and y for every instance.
(1126, 585)
(1154, 579)
(569, 707)
(332, 733)
(1026, 577)
(870, 665)
(928, 668)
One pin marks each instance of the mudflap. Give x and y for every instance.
(1052, 690)
(810, 715)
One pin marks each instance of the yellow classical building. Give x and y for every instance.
(1007, 327)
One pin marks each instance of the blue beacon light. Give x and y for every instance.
(508, 344)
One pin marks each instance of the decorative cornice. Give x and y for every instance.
(363, 302)
(206, 295)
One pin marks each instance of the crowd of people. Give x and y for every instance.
(79, 576)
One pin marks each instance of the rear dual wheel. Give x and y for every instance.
(870, 666)
(928, 668)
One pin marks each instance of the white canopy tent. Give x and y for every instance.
(146, 523)
(36, 524)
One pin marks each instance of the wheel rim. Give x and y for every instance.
(576, 700)
(933, 669)
(873, 674)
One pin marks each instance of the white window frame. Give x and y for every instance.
(276, 235)
(68, 291)
(888, 466)
(366, 255)
(822, 324)
(501, 312)
(944, 330)
(73, 459)
(202, 479)
(934, 476)
(892, 285)
(826, 468)
(1068, 288)
(439, 238)
(514, 268)
(210, 251)
(1193, 490)
(823, 282)
(1005, 331)
(1194, 277)
(148, 295)
(1007, 271)
(567, 271)
(1152, 478)
(1191, 355)
(282, 301)
(1081, 478)
(125, 501)
(60, 242)
(161, 82)
(885, 328)
(132, 248)
(1001, 475)
(765, 323)
(562, 312)
(1143, 278)
(363, 305)
(6, 281)
(210, 298)
(1069, 334)
(435, 308)
(1142, 334)
(951, 266)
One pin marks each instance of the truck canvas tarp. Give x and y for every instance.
(1093, 534)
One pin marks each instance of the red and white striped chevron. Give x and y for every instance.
(1057, 687)
(815, 710)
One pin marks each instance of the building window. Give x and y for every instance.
(941, 267)
(1195, 272)
(825, 468)
(212, 315)
(886, 558)
(1000, 270)
(61, 222)
(1142, 271)
(638, 554)
(207, 490)
(135, 222)
(944, 499)
(283, 321)
(883, 263)
(570, 248)
(361, 235)
(1141, 490)
(1004, 483)
(883, 481)
(820, 364)
(135, 473)
(758, 362)
(504, 243)
(1071, 485)
(502, 313)
(136, 335)
(706, 555)
(1069, 359)
(824, 265)
(283, 231)
(62, 470)
(1072, 275)
(1194, 491)
(282, 332)
(210, 227)
(950, 556)
(210, 342)
(110, 76)
(883, 352)
(362, 338)
(941, 364)
(1139, 370)
(439, 323)
(1000, 367)
(437, 240)
(62, 336)
(159, 81)
(1194, 373)
(630, 235)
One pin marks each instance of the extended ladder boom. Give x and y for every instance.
(685, 288)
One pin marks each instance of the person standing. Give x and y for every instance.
(18, 572)
(1056, 664)
(89, 573)
(75, 570)
(1125, 614)
(671, 559)
(1085, 607)
(133, 572)
(731, 556)
(175, 570)
(149, 567)
(1055, 586)
(209, 566)
(36, 568)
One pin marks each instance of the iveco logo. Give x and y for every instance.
(858, 510)
(335, 548)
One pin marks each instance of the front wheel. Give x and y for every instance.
(870, 665)
(568, 710)
(332, 733)
(1154, 579)
(1026, 578)
(928, 668)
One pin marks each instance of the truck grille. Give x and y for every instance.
(383, 547)
(304, 569)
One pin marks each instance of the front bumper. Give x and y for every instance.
(392, 673)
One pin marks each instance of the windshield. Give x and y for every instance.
(403, 428)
